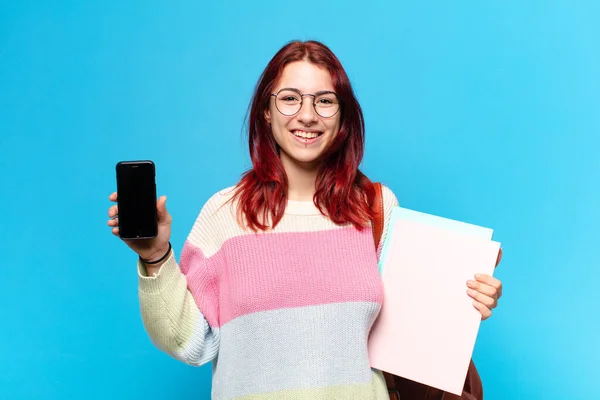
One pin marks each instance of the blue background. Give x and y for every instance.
(482, 111)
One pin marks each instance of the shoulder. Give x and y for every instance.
(219, 209)
(390, 201)
(219, 199)
(216, 222)
(389, 197)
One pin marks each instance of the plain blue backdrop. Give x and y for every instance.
(482, 111)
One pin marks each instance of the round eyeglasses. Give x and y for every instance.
(289, 101)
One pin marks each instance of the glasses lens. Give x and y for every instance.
(288, 102)
(327, 104)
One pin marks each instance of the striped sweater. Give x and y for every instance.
(282, 315)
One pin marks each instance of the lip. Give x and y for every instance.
(308, 130)
(306, 141)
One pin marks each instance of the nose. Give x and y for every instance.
(307, 114)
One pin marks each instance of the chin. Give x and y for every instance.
(307, 158)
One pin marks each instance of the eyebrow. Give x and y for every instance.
(299, 91)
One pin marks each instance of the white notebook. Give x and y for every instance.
(427, 327)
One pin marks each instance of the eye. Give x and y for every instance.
(288, 97)
(325, 101)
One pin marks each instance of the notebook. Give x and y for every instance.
(427, 328)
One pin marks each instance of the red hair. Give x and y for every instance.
(343, 192)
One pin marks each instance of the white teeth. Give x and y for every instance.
(306, 135)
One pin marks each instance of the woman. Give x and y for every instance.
(277, 283)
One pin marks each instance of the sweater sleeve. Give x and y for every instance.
(389, 202)
(180, 304)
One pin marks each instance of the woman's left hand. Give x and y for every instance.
(485, 291)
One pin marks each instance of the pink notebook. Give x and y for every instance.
(427, 327)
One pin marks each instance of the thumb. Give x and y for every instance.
(161, 207)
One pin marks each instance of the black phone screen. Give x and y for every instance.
(136, 198)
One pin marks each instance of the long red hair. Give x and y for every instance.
(343, 192)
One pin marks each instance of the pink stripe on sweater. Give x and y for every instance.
(203, 280)
(280, 270)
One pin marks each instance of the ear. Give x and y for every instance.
(268, 115)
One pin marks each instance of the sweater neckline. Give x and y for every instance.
(299, 207)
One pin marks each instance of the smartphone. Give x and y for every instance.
(136, 199)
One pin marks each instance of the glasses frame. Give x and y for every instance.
(314, 96)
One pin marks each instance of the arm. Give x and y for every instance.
(179, 302)
(172, 318)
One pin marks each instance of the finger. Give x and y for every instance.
(115, 231)
(483, 310)
(113, 211)
(499, 257)
(161, 207)
(486, 289)
(489, 302)
(490, 280)
(113, 196)
(113, 222)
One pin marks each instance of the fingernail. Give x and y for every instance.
(470, 292)
(470, 283)
(477, 276)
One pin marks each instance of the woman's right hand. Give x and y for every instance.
(147, 249)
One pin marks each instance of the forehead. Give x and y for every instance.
(306, 77)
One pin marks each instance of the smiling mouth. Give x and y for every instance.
(306, 135)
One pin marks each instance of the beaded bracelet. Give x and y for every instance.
(159, 260)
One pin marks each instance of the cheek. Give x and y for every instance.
(334, 126)
(279, 123)
(279, 129)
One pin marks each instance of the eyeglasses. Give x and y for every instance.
(289, 101)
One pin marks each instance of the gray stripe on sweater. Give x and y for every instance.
(294, 348)
(202, 347)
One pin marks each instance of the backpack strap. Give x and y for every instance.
(377, 221)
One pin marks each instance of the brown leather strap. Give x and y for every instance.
(378, 211)
(389, 380)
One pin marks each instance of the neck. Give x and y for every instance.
(301, 179)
